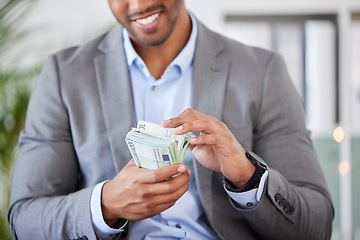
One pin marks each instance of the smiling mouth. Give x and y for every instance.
(148, 20)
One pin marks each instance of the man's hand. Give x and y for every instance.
(216, 147)
(137, 193)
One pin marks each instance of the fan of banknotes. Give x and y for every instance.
(153, 146)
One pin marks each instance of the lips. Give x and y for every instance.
(148, 23)
(148, 20)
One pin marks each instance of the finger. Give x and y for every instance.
(210, 139)
(169, 186)
(131, 163)
(186, 116)
(160, 174)
(128, 169)
(171, 198)
(205, 125)
(159, 202)
(151, 213)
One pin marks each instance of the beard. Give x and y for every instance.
(153, 42)
(158, 36)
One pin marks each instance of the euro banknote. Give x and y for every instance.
(153, 146)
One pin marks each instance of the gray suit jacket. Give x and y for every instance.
(81, 110)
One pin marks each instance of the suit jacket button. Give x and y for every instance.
(290, 210)
(286, 206)
(282, 202)
(278, 197)
(84, 238)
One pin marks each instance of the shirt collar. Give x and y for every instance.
(183, 60)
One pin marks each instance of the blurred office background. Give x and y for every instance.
(319, 39)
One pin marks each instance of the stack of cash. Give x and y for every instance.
(153, 146)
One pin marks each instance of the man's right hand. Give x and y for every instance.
(136, 193)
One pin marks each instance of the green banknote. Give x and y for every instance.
(153, 146)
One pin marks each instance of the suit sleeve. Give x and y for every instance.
(46, 200)
(296, 203)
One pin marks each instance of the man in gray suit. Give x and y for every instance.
(74, 179)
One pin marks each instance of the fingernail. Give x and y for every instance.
(192, 140)
(181, 169)
(178, 129)
(165, 121)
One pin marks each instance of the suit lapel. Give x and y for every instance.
(209, 84)
(209, 78)
(115, 95)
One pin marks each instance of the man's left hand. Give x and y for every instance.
(216, 147)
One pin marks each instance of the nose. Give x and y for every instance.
(139, 5)
(134, 4)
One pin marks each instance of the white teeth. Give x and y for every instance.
(148, 20)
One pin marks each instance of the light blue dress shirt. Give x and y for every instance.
(156, 100)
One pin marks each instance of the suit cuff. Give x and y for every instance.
(249, 199)
(102, 230)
